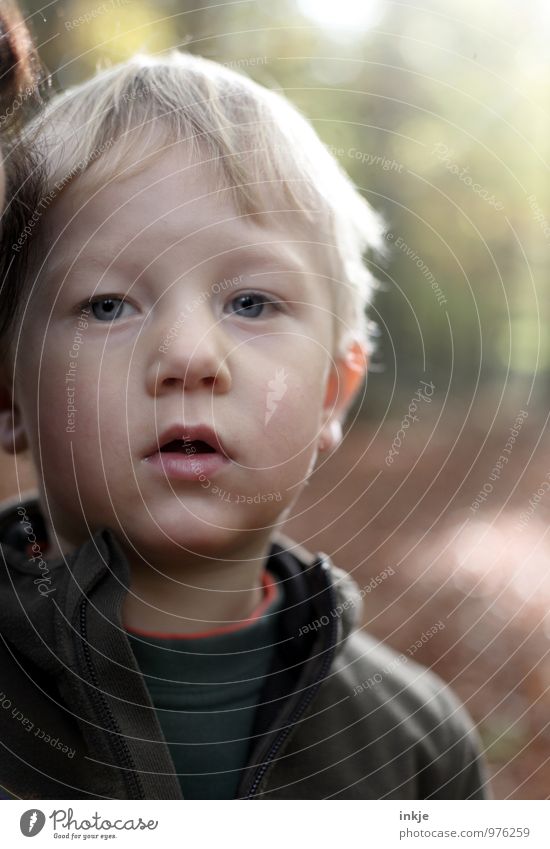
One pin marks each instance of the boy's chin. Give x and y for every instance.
(187, 545)
(213, 520)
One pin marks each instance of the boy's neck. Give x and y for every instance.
(192, 599)
(187, 596)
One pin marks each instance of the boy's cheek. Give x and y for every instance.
(71, 425)
(288, 442)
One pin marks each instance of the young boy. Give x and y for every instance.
(183, 330)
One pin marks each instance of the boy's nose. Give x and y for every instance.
(190, 352)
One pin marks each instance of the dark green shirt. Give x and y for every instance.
(205, 689)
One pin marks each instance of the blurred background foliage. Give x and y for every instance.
(439, 115)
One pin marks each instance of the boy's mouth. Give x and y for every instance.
(188, 453)
(181, 446)
(188, 441)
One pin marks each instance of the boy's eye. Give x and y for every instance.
(251, 304)
(107, 309)
(248, 305)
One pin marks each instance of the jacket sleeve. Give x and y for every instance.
(462, 771)
(475, 773)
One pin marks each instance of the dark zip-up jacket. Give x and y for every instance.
(340, 715)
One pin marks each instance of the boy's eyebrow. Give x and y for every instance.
(249, 255)
(65, 264)
(272, 255)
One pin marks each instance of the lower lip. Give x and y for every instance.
(187, 467)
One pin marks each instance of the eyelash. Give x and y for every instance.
(265, 300)
(89, 305)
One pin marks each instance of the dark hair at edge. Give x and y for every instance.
(24, 191)
(20, 78)
(20, 70)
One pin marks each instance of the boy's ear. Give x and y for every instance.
(344, 380)
(13, 437)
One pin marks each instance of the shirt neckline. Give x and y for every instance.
(269, 587)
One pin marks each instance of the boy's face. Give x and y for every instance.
(187, 347)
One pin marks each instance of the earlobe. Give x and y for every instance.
(331, 436)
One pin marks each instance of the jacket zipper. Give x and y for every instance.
(124, 757)
(305, 701)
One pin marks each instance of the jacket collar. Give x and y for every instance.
(29, 584)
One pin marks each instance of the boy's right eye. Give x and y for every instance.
(107, 309)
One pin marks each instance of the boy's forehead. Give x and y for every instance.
(168, 199)
(142, 189)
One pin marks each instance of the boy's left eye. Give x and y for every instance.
(247, 307)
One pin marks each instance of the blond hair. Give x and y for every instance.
(258, 142)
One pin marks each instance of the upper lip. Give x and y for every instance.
(191, 433)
